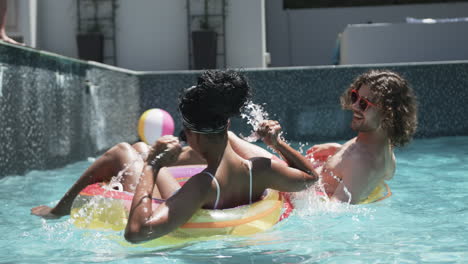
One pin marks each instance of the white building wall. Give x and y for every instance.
(245, 34)
(56, 26)
(151, 35)
(389, 43)
(301, 37)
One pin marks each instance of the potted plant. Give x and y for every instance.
(204, 43)
(90, 41)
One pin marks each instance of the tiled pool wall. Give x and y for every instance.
(306, 100)
(56, 110)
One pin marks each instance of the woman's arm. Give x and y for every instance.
(144, 223)
(300, 173)
(270, 132)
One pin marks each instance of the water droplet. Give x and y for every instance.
(254, 114)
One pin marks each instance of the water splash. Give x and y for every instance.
(301, 147)
(339, 180)
(347, 192)
(1, 79)
(116, 181)
(313, 202)
(315, 199)
(57, 231)
(254, 114)
(100, 207)
(311, 207)
(60, 79)
(98, 121)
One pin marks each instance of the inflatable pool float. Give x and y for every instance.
(98, 207)
(381, 192)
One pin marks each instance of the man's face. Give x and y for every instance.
(368, 119)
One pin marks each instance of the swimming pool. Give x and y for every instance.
(426, 220)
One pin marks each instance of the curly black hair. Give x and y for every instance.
(218, 96)
(396, 99)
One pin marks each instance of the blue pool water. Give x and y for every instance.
(425, 221)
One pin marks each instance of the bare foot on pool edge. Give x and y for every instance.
(7, 39)
(44, 211)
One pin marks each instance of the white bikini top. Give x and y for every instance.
(218, 189)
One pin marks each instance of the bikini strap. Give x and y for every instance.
(250, 182)
(218, 189)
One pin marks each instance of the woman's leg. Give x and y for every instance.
(166, 184)
(187, 157)
(121, 160)
(142, 148)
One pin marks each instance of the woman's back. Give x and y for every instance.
(237, 181)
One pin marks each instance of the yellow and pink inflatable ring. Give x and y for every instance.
(98, 207)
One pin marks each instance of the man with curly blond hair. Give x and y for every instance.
(384, 116)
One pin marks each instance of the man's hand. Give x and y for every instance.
(322, 151)
(269, 130)
(44, 211)
(165, 151)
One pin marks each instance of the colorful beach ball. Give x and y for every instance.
(153, 124)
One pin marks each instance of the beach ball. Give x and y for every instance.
(153, 124)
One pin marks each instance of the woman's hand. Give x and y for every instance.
(269, 130)
(44, 211)
(165, 151)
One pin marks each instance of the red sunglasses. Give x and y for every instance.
(363, 102)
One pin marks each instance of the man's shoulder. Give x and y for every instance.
(356, 156)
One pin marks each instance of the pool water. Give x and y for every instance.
(426, 220)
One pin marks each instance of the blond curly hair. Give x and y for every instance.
(395, 98)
